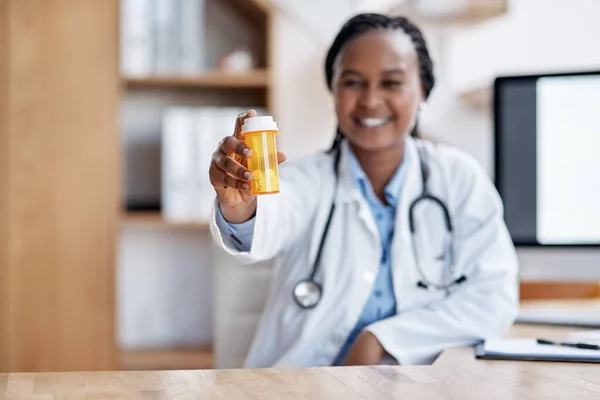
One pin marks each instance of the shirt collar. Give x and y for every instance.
(391, 190)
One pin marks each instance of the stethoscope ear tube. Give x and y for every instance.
(427, 197)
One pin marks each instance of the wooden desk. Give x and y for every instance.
(455, 375)
(470, 380)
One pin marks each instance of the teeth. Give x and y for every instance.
(373, 122)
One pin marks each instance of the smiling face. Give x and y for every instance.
(377, 89)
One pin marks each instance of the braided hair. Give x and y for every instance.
(367, 22)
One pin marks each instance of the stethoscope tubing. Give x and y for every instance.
(424, 283)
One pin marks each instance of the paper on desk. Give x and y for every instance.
(592, 337)
(530, 348)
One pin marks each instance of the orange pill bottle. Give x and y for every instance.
(259, 134)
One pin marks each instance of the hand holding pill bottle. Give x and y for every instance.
(245, 165)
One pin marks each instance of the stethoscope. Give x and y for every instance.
(308, 292)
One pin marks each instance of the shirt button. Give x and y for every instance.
(378, 293)
(369, 277)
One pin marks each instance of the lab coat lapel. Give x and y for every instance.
(349, 193)
(363, 235)
(403, 260)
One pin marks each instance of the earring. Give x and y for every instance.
(422, 106)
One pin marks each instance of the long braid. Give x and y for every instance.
(367, 22)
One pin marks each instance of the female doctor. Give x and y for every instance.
(387, 247)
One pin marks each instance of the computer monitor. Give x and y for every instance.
(547, 157)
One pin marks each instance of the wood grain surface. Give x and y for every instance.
(482, 379)
(455, 375)
(59, 184)
(4, 173)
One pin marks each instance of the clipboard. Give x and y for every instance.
(529, 350)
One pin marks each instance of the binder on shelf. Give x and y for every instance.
(192, 39)
(190, 136)
(177, 184)
(162, 37)
(136, 42)
(166, 23)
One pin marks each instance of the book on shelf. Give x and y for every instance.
(190, 135)
(136, 45)
(162, 37)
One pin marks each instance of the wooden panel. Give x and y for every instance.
(559, 290)
(63, 185)
(4, 60)
(256, 10)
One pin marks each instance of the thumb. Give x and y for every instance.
(281, 157)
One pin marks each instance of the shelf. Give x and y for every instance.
(149, 219)
(469, 11)
(479, 98)
(166, 359)
(256, 79)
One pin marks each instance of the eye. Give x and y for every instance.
(351, 83)
(389, 83)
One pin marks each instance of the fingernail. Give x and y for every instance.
(247, 175)
(247, 153)
(245, 186)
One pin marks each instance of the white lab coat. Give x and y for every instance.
(289, 226)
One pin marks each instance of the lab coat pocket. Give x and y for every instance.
(293, 318)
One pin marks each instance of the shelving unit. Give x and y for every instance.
(258, 78)
(143, 100)
(154, 220)
(478, 98)
(443, 11)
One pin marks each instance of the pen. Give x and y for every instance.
(586, 346)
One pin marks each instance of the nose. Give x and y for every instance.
(370, 97)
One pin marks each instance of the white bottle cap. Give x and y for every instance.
(257, 124)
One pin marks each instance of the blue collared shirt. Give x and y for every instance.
(382, 301)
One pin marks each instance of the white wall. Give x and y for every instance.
(536, 35)
(302, 105)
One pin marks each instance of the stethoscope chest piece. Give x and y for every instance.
(307, 293)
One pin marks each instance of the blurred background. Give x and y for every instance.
(110, 110)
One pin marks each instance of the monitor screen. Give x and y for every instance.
(547, 157)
